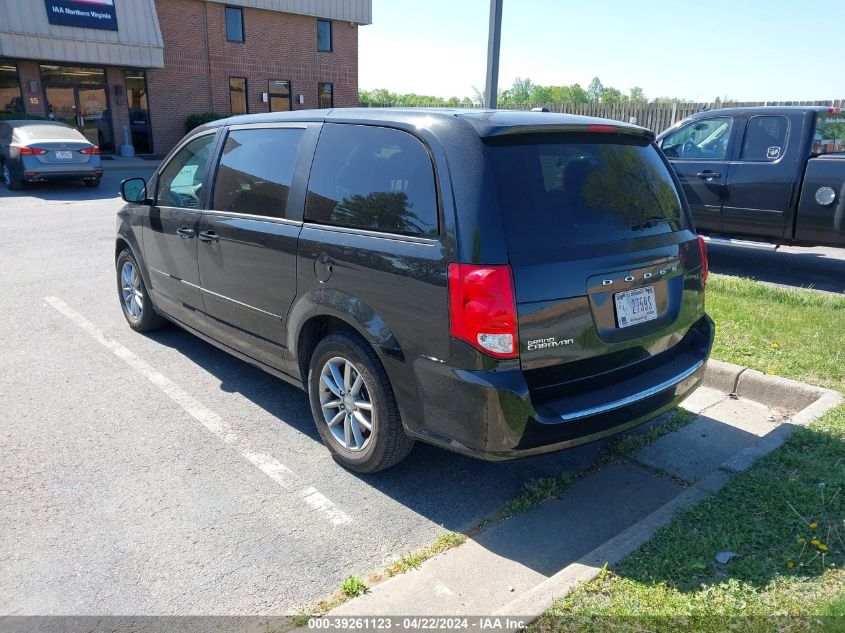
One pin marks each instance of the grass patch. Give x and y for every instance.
(407, 562)
(534, 492)
(635, 441)
(784, 517)
(353, 587)
(789, 332)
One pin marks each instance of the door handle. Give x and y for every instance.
(708, 175)
(185, 233)
(209, 237)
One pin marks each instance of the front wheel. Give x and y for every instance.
(353, 405)
(134, 300)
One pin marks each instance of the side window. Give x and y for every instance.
(704, 139)
(765, 138)
(829, 137)
(256, 170)
(372, 178)
(180, 183)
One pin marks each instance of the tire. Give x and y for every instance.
(92, 183)
(12, 182)
(386, 443)
(132, 293)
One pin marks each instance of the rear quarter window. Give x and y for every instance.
(582, 189)
(829, 136)
(372, 178)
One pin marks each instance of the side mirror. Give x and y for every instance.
(133, 190)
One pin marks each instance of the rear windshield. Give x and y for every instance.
(47, 132)
(582, 189)
(830, 134)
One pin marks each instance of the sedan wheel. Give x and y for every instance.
(346, 404)
(12, 183)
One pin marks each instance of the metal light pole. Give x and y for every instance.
(494, 38)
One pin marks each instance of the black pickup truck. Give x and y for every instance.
(763, 176)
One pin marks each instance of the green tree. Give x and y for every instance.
(595, 90)
(520, 92)
(612, 96)
(637, 95)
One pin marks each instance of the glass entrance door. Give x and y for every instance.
(84, 108)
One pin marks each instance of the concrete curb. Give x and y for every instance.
(773, 391)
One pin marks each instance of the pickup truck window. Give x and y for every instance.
(765, 138)
(830, 134)
(702, 139)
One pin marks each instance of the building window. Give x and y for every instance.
(237, 95)
(10, 88)
(279, 92)
(325, 95)
(324, 36)
(234, 24)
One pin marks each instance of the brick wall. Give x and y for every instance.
(198, 61)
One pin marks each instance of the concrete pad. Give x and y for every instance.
(702, 399)
(520, 553)
(693, 451)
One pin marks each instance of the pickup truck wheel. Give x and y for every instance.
(134, 300)
(353, 405)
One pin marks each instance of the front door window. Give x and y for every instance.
(704, 139)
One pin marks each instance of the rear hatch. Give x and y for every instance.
(607, 268)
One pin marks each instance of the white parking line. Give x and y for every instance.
(271, 467)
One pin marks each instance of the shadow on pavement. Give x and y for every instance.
(821, 269)
(450, 489)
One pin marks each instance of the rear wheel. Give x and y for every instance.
(12, 182)
(353, 405)
(134, 300)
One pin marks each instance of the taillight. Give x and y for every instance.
(32, 151)
(90, 150)
(703, 246)
(602, 128)
(482, 310)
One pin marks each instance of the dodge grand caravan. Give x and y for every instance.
(499, 284)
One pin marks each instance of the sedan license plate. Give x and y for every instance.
(64, 155)
(635, 306)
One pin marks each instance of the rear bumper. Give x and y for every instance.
(70, 174)
(492, 415)
(32, 170)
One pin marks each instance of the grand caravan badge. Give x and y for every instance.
(545, 343)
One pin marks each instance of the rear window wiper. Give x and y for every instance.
(651, 223)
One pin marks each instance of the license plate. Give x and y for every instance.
(635, 306)
(64, 155)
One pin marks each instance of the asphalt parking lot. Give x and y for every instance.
(158, 475)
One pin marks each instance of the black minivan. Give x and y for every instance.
(497, 283)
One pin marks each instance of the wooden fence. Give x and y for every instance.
(655, 116)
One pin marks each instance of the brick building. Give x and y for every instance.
(114, 68)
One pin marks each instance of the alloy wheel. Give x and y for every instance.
(130, 290)
(7, 175)
(346, 404)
